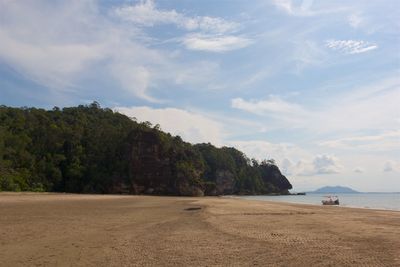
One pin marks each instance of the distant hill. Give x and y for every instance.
(334, 189)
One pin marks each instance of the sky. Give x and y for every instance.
(314, 85)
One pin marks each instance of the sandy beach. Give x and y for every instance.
(109, 230)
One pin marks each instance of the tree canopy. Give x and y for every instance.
(89, 149)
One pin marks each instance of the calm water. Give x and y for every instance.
(387, 201)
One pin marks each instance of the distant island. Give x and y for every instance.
(334, 189)
(89, 149)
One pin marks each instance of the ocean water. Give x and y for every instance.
(385, 201)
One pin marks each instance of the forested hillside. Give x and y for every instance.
(88, 149)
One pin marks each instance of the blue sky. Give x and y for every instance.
(313, 84)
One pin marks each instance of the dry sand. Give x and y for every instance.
(104, 230)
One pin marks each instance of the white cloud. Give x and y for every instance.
(286, 166)
(285, 5)
(373, 107)
(41, 54)
(57, 57)
(391, 166)
(362, 20)
(355, 20)
(201, 73)
(372, 90)
(85, 43)
(222, 43)
(326, 164)
(350, 46)
(212, 34)
(363, 108)
(192, 127)
(304, 9)
(319, 165)
(257, 76)
(146, 13)
(358, 170)
(291, 159)
(284, 113)
(389, 140)
(273, 104)
(388, 167)
(134, 79)
(306, 54)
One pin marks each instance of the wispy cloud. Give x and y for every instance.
(385, 141)
(355, 20)
(358, 20)
(361, 108)
(350, 46)
(212, 34)
(121, 52)
(282, 112)
(302, 9)
(272, 105)
(215, 43)
(306, 54)
(146, 13)
(305, 8)
(29, 43)
(59, 59)
(135, 79)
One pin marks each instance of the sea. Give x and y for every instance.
(383, 201)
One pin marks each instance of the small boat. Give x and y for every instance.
(331, 200)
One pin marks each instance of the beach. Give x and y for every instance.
(44, 229)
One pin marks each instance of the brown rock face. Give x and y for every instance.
(224, 182)
(158, 169)
(185, 189)
(149, 167)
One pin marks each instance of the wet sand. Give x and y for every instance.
(105, 230)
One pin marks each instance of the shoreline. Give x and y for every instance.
(114, 230)
(244, 197)
(333, 206)
(315, 204)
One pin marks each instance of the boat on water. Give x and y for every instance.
(330, 200)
